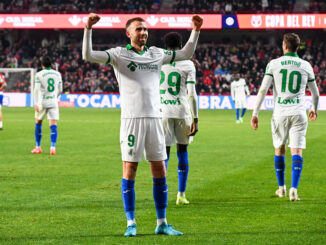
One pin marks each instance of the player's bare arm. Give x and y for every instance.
(194, 127)
(92, 20)
(197, 22)
(254, 122)
(88, 53)
(312, 114)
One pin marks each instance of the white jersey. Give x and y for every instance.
(173, 88)
(290, 76)
(48, 86)
(239, 90)
(138, 75)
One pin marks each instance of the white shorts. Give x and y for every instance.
(53, 113)
(177, 130)
(294, 127)
(240, 103)
(140, 136)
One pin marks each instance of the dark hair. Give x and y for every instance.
(292, 41)
(133, 20)
(46, 61)
(173, 40)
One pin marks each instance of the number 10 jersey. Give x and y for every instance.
(290, 77)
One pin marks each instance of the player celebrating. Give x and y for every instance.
(176, 79)
(239, 91)
(47, 88)
(3, 84)
(289, 75)
(137, 69)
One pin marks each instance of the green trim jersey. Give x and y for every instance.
(173, 88)
(290, 77)
(138, 75)
(48, 86)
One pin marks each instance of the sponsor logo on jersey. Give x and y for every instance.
(152, 67)
(48, 97)
(132, 66)
(288, 101)
(171, 102)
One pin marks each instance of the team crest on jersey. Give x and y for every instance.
(132, 66)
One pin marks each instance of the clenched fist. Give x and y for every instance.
(92, 20)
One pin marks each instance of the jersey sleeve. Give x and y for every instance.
(113, 55)
(191, 73)
(37, 90)
(311, 74)
(269, 69)
(168, 56)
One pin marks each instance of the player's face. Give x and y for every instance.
(138, 33)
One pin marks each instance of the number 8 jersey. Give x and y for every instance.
(47, 88)
(290, 77)
(173, 88)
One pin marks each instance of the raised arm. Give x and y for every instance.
(188, 50)
(267, 82)
(315, 98)
(88, 53)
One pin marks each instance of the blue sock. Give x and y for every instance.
(54, 135)
(128, 197)
(243, 111)
(167, 160)
(237, 111)
(160, 193)
(280, 169)
(183, 168)
(38, 133)
(297, 164)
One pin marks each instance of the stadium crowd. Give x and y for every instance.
(215, 63)
(154, 6)
(77, 6)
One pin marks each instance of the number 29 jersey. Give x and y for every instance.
(173, 88)
(49, 83)
(290, 77)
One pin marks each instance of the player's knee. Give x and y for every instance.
(182, 148)
(280, 151)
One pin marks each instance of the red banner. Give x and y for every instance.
(282, 21)
(77, 21)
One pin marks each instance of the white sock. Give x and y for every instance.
(130, 222)
(181, 194)
(161, 221)
(1, 124)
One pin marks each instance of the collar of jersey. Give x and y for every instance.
(129, 47)
(291, 54)
(47, 68)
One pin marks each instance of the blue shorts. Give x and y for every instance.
(1, 99)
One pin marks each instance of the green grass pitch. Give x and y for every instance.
(74, 197)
